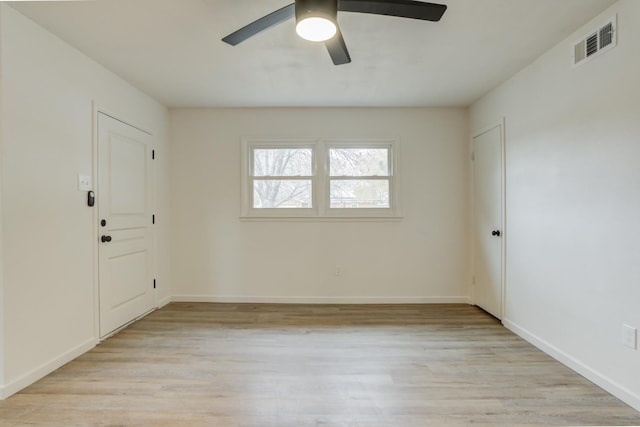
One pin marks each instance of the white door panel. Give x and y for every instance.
(126, 284)
(488, 232)
(128, 179)
(128, 278)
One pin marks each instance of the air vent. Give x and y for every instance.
(598, 41)
(606, 35)
(592, 44)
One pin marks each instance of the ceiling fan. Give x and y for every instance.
(316, 20)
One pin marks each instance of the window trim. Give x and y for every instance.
(248, 145)
(320, 180)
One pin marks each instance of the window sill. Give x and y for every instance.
(321, 218)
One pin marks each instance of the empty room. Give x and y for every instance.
(319, 213)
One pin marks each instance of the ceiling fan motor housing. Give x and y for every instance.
(317, 8)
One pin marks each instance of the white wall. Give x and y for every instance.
(49, 235)
(1, 224)
(218, 257)
(573, 202)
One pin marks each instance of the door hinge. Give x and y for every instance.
(473, 156)
(154, 283)
(153, 154)
(473, 280)
(153, 219)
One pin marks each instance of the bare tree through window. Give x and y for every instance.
(314, 177)
(282, 177)
(359, 177)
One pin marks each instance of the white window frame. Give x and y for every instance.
(320, 180)
(248, 145)
(362, 212)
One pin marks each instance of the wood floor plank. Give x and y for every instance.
(299, 365)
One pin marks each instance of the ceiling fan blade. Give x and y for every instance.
(338, 49)
(259, 25)
(403, 8)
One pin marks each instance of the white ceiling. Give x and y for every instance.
(171, 49)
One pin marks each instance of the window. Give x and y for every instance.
(282, 177)
(359, 177)
(319, 178)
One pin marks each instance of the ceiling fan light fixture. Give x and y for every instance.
(316, 20)
(316, 28)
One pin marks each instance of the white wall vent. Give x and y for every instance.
(596, 42)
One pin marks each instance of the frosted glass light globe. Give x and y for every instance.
(316, 29)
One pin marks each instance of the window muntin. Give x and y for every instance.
(319, 178)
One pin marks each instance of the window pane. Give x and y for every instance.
(359, 162)
(359, 193)
(279, 193)
(282, 162)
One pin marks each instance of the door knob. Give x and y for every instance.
(495, 233)
(105, 239)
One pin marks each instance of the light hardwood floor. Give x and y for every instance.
(314, 365)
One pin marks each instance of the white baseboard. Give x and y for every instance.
(320, 300)
(619, 391)
(164, 301)
(45, 369)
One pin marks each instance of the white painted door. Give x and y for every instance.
(488, 232)
(126, 285)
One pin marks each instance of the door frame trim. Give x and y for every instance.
(98, 109)
(503, 211)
